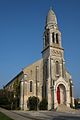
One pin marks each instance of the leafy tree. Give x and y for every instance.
(43, 104)
(10, 99)
(32, 103)
(16, 89)
(77, 103)
(4, 101)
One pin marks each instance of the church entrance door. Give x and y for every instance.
(61, 94)
(58, 95)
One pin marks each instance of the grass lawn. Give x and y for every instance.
(4, 117)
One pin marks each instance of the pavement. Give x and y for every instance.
(41, 115)
(13, 115)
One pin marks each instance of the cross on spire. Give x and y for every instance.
(51, 5)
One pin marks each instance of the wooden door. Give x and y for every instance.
(58, 95)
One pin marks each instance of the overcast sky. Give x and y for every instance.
(21, 35)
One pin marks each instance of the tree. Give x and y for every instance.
(32, 103)
(4, 101)
(10, 99)
(16, 91)
(77, 103)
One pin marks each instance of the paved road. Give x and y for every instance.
(49, 115)
(41, 115)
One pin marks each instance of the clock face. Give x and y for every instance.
(56, 53)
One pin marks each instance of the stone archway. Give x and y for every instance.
(61, 94)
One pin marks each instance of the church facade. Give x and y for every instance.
(47, 77)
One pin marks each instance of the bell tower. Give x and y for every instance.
(53, 57)
(52, 35)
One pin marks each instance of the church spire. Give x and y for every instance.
(51, 18)
(52, 35)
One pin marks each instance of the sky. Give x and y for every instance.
(22, 25)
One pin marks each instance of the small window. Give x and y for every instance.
(46, 69)
(57, 68)
(25, 76)
(30, 86)
(31, 73)
(57, 41)
(46, 39)
(53, 39)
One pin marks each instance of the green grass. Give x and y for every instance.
(4, 117)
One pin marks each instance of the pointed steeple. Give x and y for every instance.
(51, 18)
(52, 35)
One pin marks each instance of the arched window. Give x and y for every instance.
(57, 68)
(30, 86)
(31, 73)
(47, 39)
(46, 69)
(53, 39)
(57, 41)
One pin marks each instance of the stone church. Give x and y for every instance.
(47, 77)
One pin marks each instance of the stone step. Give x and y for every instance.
(64, 108)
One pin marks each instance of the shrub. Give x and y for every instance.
(32, 103)
(43, 104)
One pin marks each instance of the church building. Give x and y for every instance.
(47, 77)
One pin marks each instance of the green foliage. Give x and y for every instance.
(16, 87)
(77, 103)
(43, 104)
(32, 103)
(10, 99)
(6, 98)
